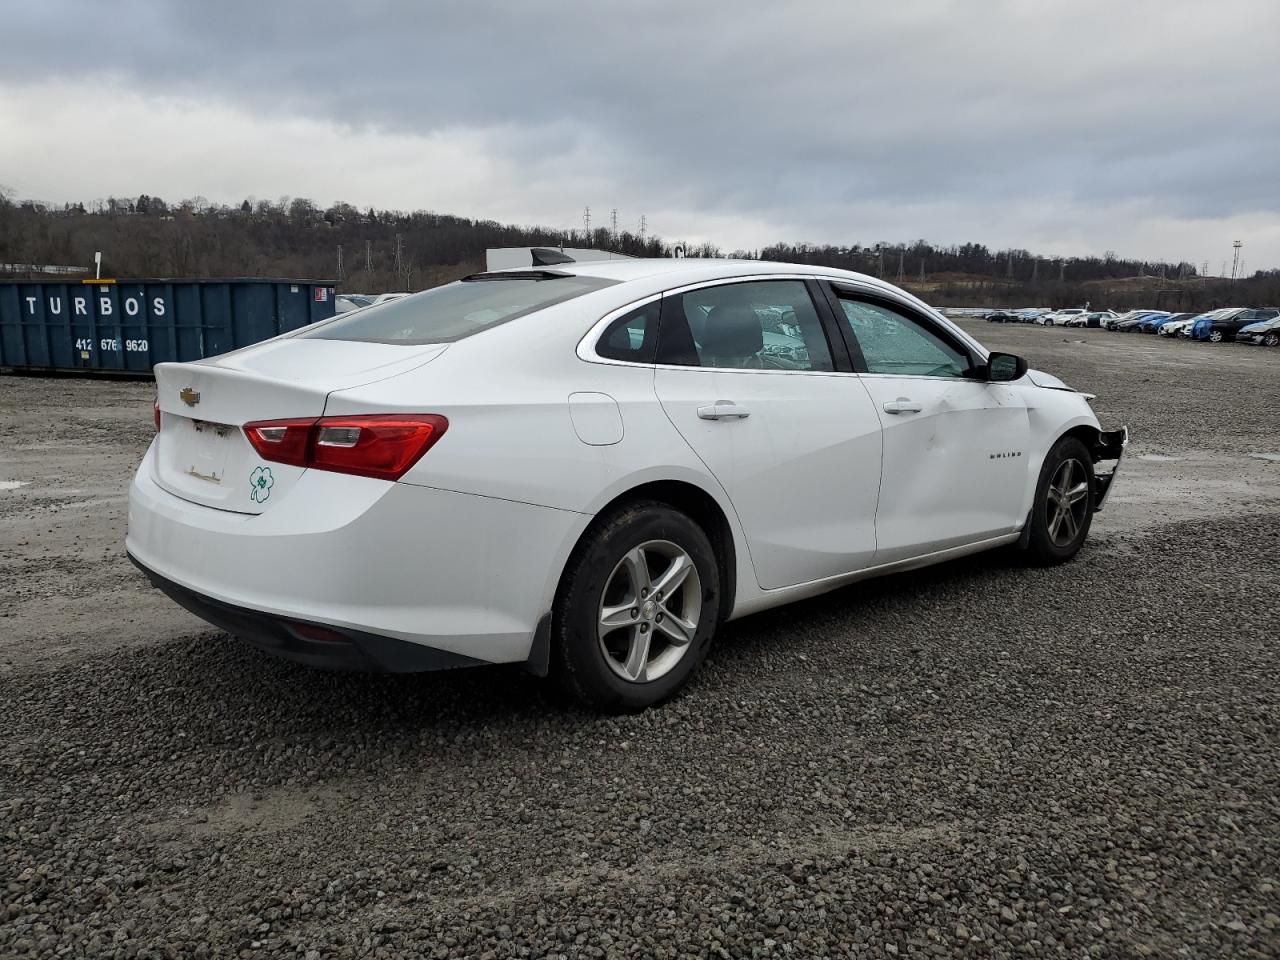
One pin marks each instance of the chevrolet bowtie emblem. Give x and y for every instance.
(189, 396)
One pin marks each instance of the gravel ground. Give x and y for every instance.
(977, 759)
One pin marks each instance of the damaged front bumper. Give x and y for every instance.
(1110, 446)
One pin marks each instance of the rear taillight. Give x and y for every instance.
(377, 445)
(282, 441)
(155, 409)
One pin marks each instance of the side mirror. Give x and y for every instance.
(1003, 367)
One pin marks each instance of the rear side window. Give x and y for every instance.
(457, 310)
(755, 325)
(633, 336)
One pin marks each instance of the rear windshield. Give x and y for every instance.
(456, 310)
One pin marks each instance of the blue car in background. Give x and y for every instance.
(1154, 323)
(1130, 324)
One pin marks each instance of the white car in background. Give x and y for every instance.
(1060, 317)
(346, 302)
(588, 469)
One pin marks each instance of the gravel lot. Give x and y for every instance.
(977, 759)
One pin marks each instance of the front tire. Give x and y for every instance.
(636, 610)
(1271, 340)
(1063, 507)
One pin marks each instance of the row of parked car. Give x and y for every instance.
(1073, 317)
(1257, 325)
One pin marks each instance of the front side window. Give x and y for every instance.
(457, 310)
(755, 325)
(894, 342)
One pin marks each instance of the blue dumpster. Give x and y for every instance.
(128, 326)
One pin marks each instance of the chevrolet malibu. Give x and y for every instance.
(588, 468)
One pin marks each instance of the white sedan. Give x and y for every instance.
(1060, 317)
(588, 469)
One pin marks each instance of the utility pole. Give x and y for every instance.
(642, 227)
(399, 256)
(368, 256)
(1035, 270)
(1204, 271)
(902, 259)
(1235, 258)
(339, 263)
(613, 224)
(586, 223)
(922, 269)
(880, 265)
(1062, 271)
(1008, 272)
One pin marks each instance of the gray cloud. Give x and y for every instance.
(1014, 122)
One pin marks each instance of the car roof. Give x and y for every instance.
(697, 269)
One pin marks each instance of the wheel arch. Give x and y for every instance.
(701, 507)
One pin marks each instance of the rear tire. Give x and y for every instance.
(620, 640)
(1063, 507)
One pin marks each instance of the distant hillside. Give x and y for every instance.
(392, 250)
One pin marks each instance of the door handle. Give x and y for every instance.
(902, 405)
(723, 410)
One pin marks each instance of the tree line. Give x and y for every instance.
(370, 250)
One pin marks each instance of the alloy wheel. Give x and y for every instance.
(649, 611)
(1068, 501)
(1215, 336)
(1271, 339)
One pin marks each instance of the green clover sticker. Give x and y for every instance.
(260, 483)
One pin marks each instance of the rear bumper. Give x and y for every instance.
(378, 564)
(315, 644)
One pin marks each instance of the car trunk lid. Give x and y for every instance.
(202, 453)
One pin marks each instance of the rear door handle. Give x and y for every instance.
(723, 410)
(902, 405)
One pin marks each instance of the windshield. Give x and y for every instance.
(456, 310)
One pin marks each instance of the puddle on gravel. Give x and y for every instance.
(13, 484)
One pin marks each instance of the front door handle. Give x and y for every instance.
(723, 410)
(902, 405)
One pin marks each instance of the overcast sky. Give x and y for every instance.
(1073, 127)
